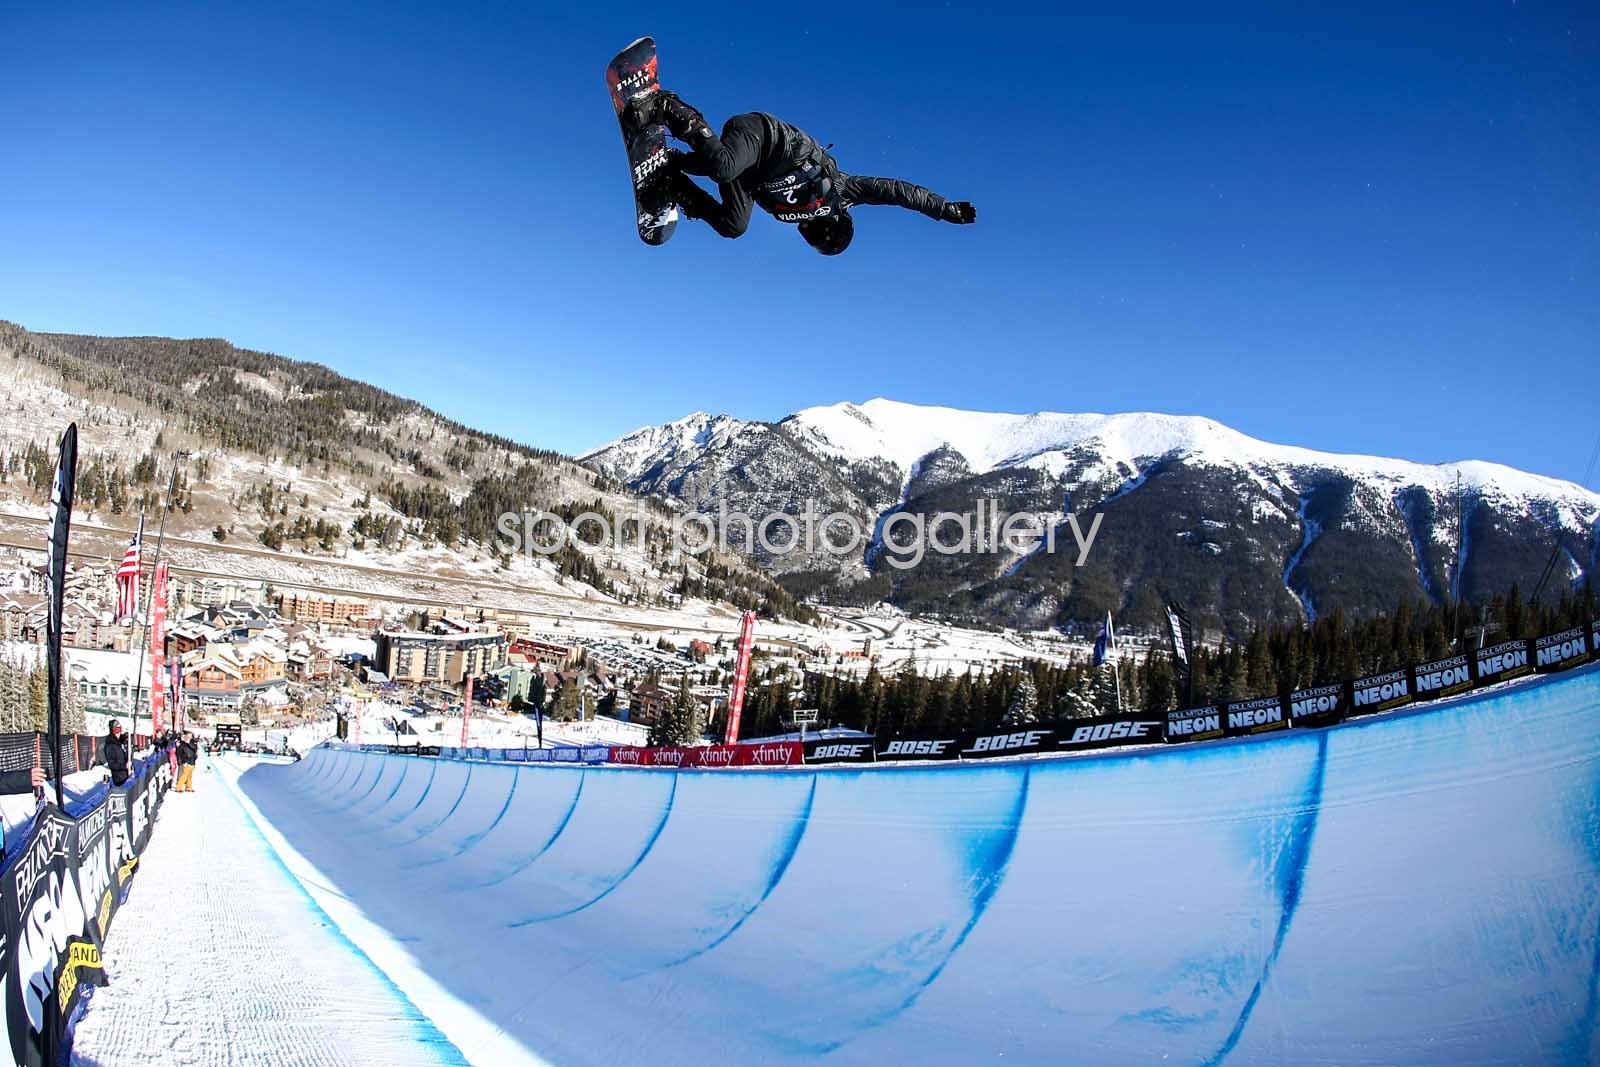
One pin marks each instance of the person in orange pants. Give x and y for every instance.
(188, 751)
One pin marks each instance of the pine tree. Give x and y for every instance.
(1024, 709)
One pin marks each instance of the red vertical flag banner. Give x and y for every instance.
(158, 644)
(466, 716)
(741, 674)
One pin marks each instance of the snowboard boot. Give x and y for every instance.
(684, 122)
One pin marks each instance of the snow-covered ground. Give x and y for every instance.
(221, 957)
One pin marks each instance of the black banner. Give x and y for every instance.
(1557, 652)
(55, 577)
(1246, 717)
(1182, 636)
(1594, 639)
(1381, 692)
(1194, 724)
(1444, 677)
(918, 748)
(1007, 742)
(1321, 705)
(1105, 731)
(427, 750)
(58, 893)
(1506, 660)
(839, 750)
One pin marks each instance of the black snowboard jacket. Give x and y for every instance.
(188, 752)
(115, 752)
(756, 147)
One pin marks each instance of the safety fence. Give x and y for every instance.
(79, 752)
(64, 876)
(1315, 707)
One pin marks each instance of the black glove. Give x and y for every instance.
(959, 211)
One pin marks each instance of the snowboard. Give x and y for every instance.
(630, 76)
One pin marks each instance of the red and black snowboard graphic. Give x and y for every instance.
(630, 76)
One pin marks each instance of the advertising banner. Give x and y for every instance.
(1260, 716)
(1444, 677)
(60, 888)
(712, 756)
(1194, 724)
(1106, 731)
(1321, 705)
(1381, 692)
(1558, 652)
(770, 754)
(1502, 662)
(839, 750)
(988, 744)
(941, 747)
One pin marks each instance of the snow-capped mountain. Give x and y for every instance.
(1193, 509)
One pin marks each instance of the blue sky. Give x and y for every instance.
(1362, 229)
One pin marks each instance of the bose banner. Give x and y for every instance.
(1077, 735)
(1008, 742)
(1381, 692)
(917, 748)
(1194, 724)
(1502, 662)
(840, 750)
(1557, 652)
(1246, 717)
(1444, 678)
(1322, 705)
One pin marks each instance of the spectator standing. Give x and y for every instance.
(114, 750)
(188, 752)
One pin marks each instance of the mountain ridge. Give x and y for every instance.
(1326, 529)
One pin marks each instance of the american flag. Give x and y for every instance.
(128, 577)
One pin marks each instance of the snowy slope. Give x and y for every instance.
(1414, 889)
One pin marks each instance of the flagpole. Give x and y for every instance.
(155, 563)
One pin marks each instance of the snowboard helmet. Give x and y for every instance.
(830, 234)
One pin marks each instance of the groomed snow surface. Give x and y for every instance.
(1416, 889)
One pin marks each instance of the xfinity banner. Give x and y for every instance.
(1008, 743)
(1194, 724)
(1245, 717)
(840, 750)
(1502, 662)
(1381, 692)
(1559, 651)
(1444, 678)
(1078, 735)
(918, 748)
(1322, 705)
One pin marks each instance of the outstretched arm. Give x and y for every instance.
(857, 189)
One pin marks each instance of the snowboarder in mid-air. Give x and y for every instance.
(762, 161)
